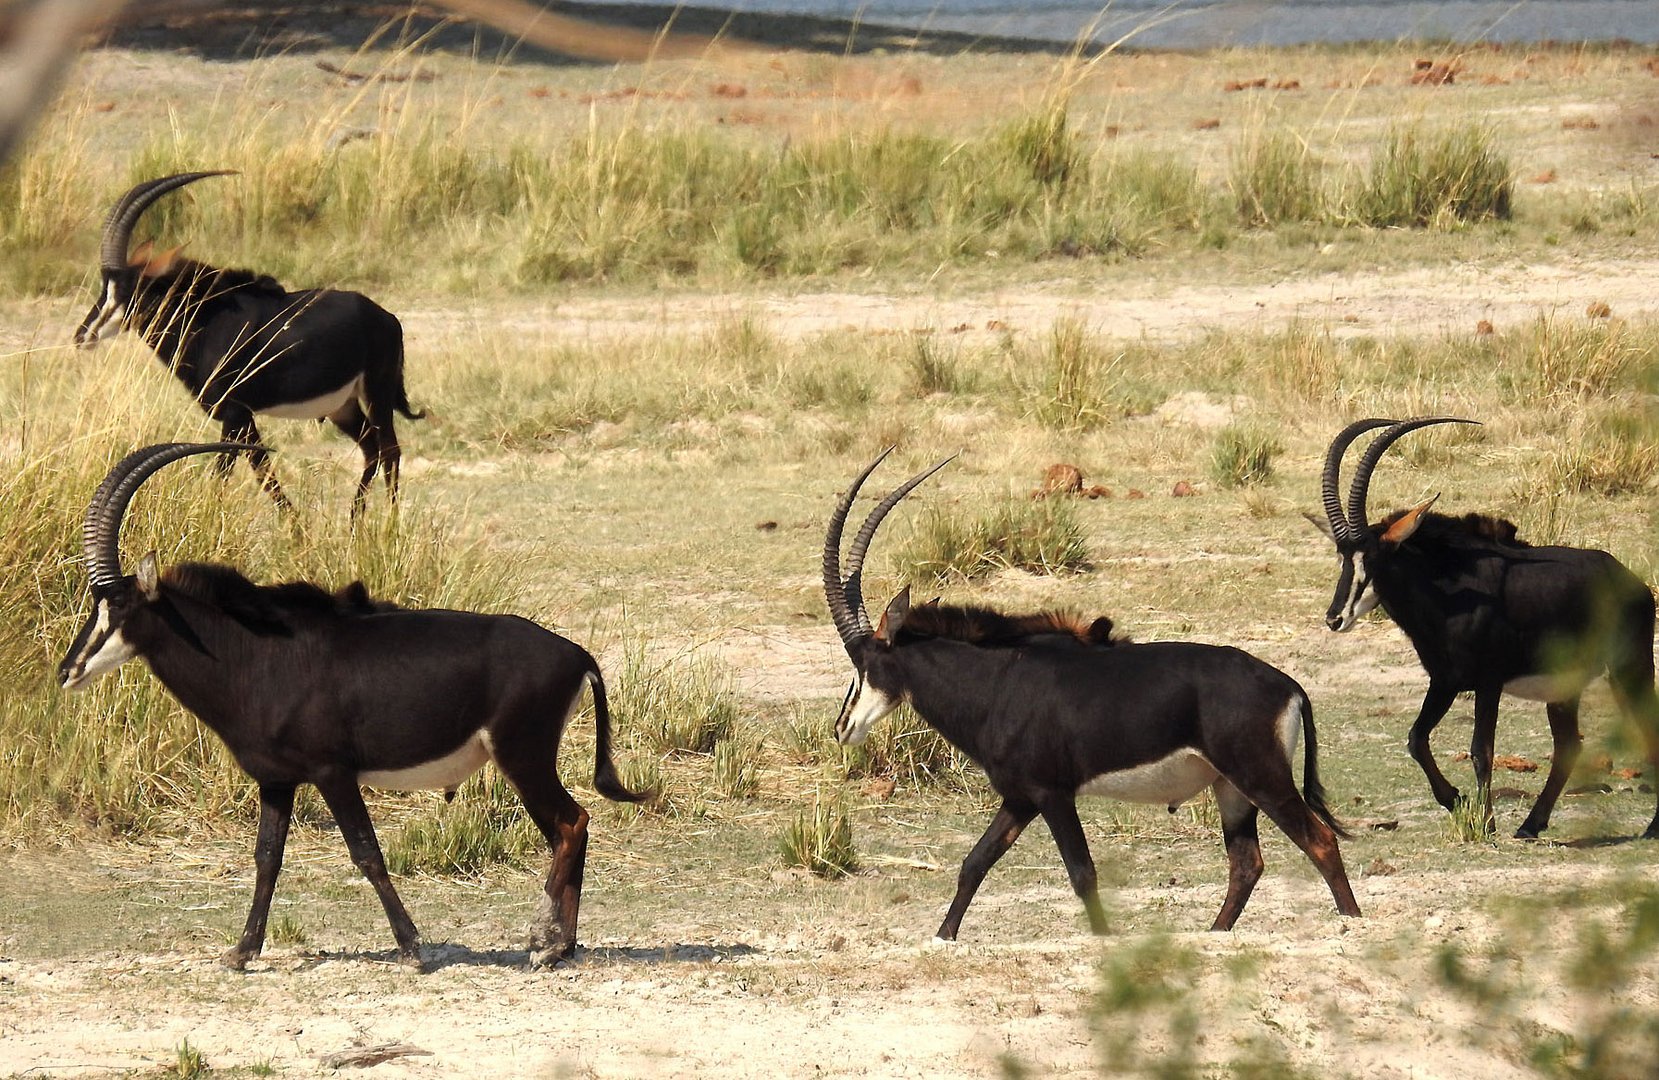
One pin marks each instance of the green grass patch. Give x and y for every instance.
(820, 840)
(484, 825)
(1242, 455)
(1275, 179)
(1438, 178)
(953, 543)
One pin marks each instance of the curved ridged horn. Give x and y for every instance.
(101, 529)
(861, 543)
(1361, 484)
(1341, 527)
(118, 226)
(835, 593)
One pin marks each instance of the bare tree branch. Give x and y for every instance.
(579, 37)
(39, 39)
(42, 38)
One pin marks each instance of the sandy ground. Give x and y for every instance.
(1333, 996)
(1435, 300)
(1449, 300)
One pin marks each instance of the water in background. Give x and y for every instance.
(1198, 23)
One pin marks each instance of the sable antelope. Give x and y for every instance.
(1488, 612)
(1053, 708)
(244, 345)
(337, 690)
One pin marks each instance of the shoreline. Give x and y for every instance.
(262, 27)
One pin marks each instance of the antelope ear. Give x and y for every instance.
(892, 620)
(155, 265)
(1399, 532)
(1321, 524)
(140, 254)
(148, 577)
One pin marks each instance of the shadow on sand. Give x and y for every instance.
(239, 31)
(1589, 842)
(439, 955)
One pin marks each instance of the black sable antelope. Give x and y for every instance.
(1052, 709)
(338, 690)
(1490, 613)
(244, 345)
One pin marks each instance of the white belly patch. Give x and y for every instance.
(1169, 781)
(1548, 688)
(442, 774)
(318, 408)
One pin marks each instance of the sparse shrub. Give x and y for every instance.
(1093, 231)
(1242, 456)
(743, 340)
(821, 840)
(1260, 504)
(1470, 822)
(1152, 189)
(1618, 456)
(287, 930)
(1305, 362)
(682, 705)
(757, 240)
(1440, 178)
(1043, 144)
(1072, 369)
(934, 369)
(1041, 536)
(737, 767)
(1579, 360)
(808, 736)
(1204, 812)
(1301, 362)
(188, 1063)
(1275, 180)
(484, 826)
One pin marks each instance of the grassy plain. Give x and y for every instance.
(659, 315)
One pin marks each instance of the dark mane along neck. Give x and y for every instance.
(267, 608)
(982, 626)
(202, 282)
(1444, 527)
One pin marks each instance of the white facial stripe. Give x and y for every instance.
(867, 706)
(109, 308)
(1361, 596)
(105, 650)
(1367, 600)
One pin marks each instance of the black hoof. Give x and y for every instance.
(550, 958)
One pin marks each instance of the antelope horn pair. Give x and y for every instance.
(124, 215)
(101, 528)
(846, 594)
(1347, 529)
